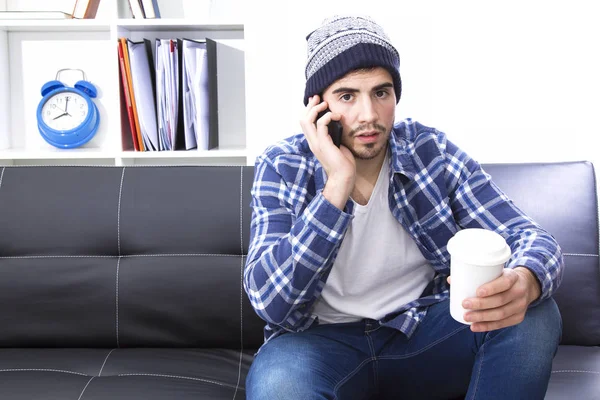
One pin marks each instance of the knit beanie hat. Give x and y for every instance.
(346, 43)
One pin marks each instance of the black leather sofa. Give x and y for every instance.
(125, 283)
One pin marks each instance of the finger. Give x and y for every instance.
(515, 307)
(312, 109)
(322, 123)
(448, 280)
(491, 326)
(307, 114)
(320, 119)
(489, 302)
(308, 118)
(336, 116)
(498, 285)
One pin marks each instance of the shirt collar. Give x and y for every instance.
(401, 160)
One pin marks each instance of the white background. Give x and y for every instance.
(509, 81)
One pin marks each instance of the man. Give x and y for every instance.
(348, 262)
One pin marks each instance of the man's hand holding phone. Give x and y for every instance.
(339, 163)
(334, 128)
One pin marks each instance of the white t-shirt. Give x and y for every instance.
(379, 267)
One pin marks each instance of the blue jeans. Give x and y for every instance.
(442, 360)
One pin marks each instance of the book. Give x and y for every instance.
(85, 9)
(135, 6)
(150, 8)
(143, 82)
(4, 15)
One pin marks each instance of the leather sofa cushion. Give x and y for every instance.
(561, 197)
(124, 257)
(123, 373)
(575, 374)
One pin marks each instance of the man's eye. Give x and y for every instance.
(346, 97)
(381, 93)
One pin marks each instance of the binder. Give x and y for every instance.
(125, 49)
(180, 137)
(144, 84)
(126, 97)
(199, 109)
(167, 58)
(213, 94)
(227, 88)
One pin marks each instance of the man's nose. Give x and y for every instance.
(367, 112)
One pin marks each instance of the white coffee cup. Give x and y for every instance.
(477, 256)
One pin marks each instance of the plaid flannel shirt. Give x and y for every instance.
(435, 189)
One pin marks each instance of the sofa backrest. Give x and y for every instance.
(562, 198)
(125, 257)
(153, 256)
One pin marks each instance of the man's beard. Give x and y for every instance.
(370, 150)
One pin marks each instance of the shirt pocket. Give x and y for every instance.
(438, 227)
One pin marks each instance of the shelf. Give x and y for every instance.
(176, 24)
(32, 51)
(214, 153)
(55, 154)
(83, 25)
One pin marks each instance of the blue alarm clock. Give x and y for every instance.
(67, 117)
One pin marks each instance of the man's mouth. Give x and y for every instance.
(368, 137)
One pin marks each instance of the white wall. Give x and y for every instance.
(507, 81)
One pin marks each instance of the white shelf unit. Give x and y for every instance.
(32, 51)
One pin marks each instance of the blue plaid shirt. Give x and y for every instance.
(435, 189)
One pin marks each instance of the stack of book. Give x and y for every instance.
(144, 8)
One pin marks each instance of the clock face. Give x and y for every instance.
(65, 111)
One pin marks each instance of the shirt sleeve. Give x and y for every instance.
(477, 202)
(290, 251)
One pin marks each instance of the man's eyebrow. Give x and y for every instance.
(353, 90)
(383, 86)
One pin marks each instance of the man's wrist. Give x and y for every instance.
(337, 191)
(535, 289)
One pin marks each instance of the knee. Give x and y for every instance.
(269, 381)
(544, 322)
(278, 374)
(541, 330)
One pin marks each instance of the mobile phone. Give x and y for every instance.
(334, 128)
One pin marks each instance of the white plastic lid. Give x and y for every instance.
(479, 247)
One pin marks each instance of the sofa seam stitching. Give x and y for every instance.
(85, 387)
(576, 370)
(42, 370)
(180, 377)
(119, 213)
(241, 280)
(117, 303)
(119, 259)
(104, 363)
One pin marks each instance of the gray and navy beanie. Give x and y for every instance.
(346, 43)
